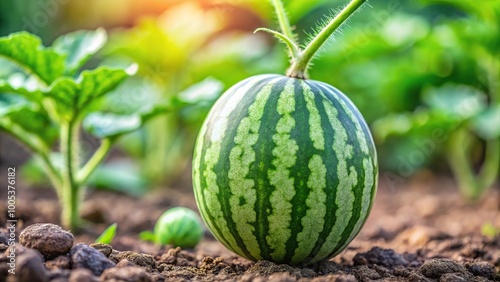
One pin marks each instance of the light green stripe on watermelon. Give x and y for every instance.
(348, 179)
(314, 219)
(316, 133)
(212, 154)
(284, 158)
(241, 157)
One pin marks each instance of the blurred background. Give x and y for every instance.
(425, 74)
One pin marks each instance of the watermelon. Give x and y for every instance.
(285, 170)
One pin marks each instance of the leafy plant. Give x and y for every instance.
(466, 108)
(178, 226)
(107, 235)
(46, 98)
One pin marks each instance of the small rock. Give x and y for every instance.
(482, 269)
(105, 249)
(49, 239)
(435, 268)
(62, 262)
(126, 274)
(143, 260)
(29, 267)
(84, 256)
(82, 275)
(379, 256)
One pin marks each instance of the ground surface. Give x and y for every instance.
(420, 230)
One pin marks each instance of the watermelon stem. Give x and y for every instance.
(293, 48)
(301, 62)
(285, 26)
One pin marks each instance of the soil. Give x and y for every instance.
(421, 230)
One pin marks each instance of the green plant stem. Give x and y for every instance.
(300, 64)
(491, 165)
(459, 163)
(470, 185)
(70, 200)
(94, 161)
(284, 23)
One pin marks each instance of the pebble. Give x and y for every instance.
(89, 258)
(49, 239)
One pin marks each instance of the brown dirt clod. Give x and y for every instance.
(49, 239)
(384, 257)
(104, 249)
(143, 260)
(436, 268)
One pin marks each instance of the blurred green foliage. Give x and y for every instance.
(425, 74)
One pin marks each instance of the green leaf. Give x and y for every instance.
(28, 87)
(104, 125)
(76, 95)
(206, 90)
(18, 115)
(79, 46)
(27, 50)
(121, 176)
(487, 124)
(458, 101)
(107, 235)
(109, 125)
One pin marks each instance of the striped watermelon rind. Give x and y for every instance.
(284, 170)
